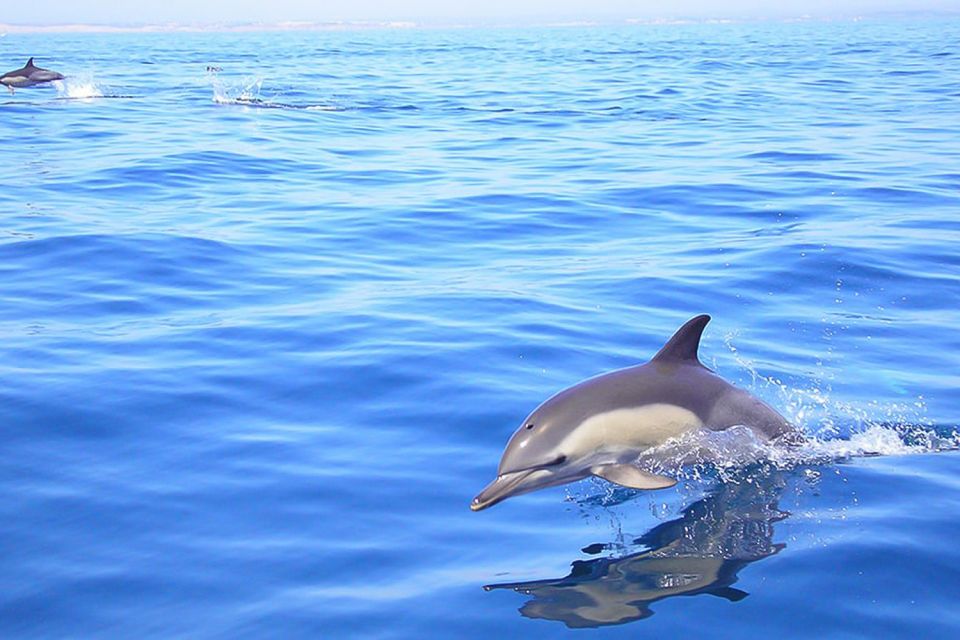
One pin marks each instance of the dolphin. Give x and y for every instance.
(27, 76)
(601, 425)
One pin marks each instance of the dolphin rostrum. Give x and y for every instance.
(27, 76)
(601, 425)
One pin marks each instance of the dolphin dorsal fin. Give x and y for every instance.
(29, 63)
(682, 347)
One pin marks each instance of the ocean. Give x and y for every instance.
(272, 303)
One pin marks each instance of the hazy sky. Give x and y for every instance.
(431, 11)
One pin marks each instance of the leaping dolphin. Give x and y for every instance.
(601, 425)
(27, 76)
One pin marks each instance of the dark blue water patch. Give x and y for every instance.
(855, 51)
(625, 52)
(902, 195)
(108, 252)
(365, 178)
(944, 180)
(838, 124)
(444, 232)
(109, 277)
(833, 85)
(793, 156)
(814, 176)
(908, 72)
(155, 176)
(687, 143)
(728, 198)
(490, 109)
(714, 65)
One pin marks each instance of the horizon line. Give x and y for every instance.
(344, 25)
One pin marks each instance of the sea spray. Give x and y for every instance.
(78, 88)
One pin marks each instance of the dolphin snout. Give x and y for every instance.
(503, 487)
(478, 504)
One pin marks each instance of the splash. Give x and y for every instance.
(737, 456)
(833, 432)
(729, 453)
(78, 89)
(249, 93)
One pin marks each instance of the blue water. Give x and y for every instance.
(265, 330)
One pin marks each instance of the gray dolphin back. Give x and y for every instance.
(32, 75)
(721, 405)
(22, 71)
(673, 376)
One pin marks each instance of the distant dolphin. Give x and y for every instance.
(600, 426)
(27, 76)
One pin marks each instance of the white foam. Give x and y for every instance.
(729, 452)
(834, 430)
(78, 88)
(248, 91)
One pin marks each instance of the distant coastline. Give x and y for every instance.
(175, 27)
(201, 28)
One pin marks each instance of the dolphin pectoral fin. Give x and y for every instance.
(627, 475)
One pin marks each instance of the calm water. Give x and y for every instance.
(265, 330)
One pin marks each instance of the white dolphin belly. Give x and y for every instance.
(17, 81)
(630, 428)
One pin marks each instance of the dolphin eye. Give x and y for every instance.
(530, 426)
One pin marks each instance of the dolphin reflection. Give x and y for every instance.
(700, 552)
